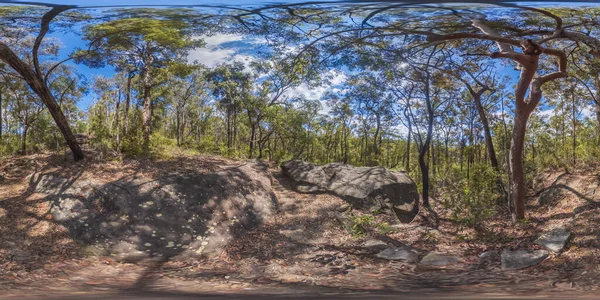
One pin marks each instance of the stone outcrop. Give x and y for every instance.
(433, 259)
(370, 188)
(520, 259)
(399, 253)
(554, 240)
(176, 215)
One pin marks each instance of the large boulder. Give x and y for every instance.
(174, 215)
(372, 188)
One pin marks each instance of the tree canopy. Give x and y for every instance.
(457, 95)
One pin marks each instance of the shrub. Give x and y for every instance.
(359, 224)
(471, 200)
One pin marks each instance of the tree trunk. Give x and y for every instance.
(433, 162)
(228, 128)
(1, 115)
(408, 144)
(598, 122)
(118, 131)
(346, 133)
(127, 103)
(41, 89)
(24, 140)
(252, 140)
(574, 128)
(178, 127)
(516, 162)
(425, 146)
(146, 119)
(235, 129)
(376, 141)
(489, 143)
(253, 124)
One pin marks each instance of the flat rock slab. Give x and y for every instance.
(434, 259)
(398, 253)
(555, 240)
(520, 259)
(375, 245)
(175, 215)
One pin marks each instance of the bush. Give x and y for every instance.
(163, 146)
(358, 225)
(471, 200)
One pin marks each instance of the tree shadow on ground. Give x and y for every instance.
(177, 214)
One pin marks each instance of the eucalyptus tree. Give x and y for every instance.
(529, 46)
(25, 108)
(150, 45)
(341, 111)
(28, 65)
(419, 85)
(276, 77)
(368, 93)
(230, 85)
(183, 92)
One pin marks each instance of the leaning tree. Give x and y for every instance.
(29, 67)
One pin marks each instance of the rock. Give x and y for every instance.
(550, 195)
(554, 240)
(520, 259)
(344, 208)
(375, 245)
(176, 215)
(368, 188)
(488, 254)
(398, 253)
(21, 256)
(2, 178)
(94, 250)
(433, 259)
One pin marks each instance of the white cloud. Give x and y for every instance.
(210, 57)
(587, 112)
(311, 93)
(546, 114)
(218, 39)
(214, 53)
(336, 77)
(400, 129)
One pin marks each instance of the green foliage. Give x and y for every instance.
(359, 224)
(384, 228)
(253, 110)
(471, 200)
(162, 146)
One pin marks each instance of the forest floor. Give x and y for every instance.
(303, 250)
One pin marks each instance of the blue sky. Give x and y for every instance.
(86, 3)
(220, 48)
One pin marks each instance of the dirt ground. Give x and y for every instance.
(303, 250)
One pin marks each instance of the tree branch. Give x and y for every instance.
(518, 57)
(44, 28)
(479, 24)
(433, 37)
